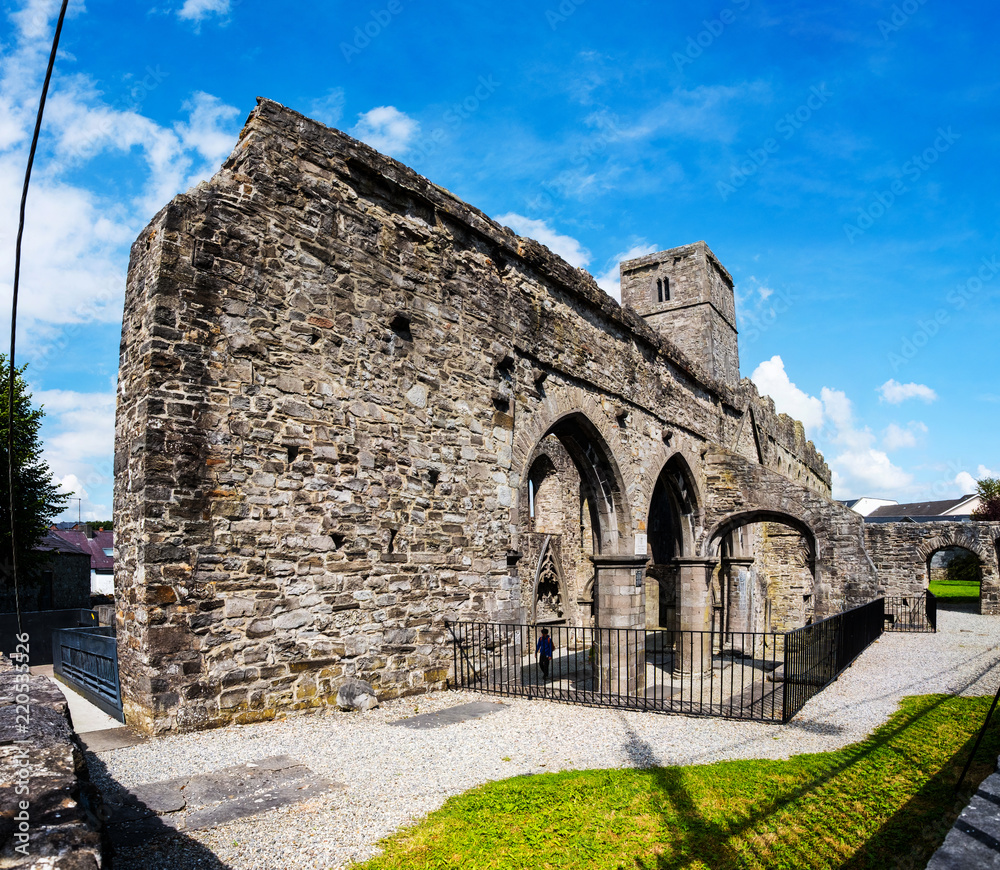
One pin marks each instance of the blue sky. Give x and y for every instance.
(838, 158)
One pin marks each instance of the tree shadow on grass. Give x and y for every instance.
(893, 846)
(915, 831)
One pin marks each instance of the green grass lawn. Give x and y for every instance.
(947, 589)
(886, 802)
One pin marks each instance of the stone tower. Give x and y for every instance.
(686, 295)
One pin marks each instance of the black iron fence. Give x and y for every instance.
(87, 659)
(911, 612)
(39, 626)
(738, 675)
(817, 654)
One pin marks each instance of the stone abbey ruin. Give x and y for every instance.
(352, 407)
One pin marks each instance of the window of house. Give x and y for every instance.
(108, 551)
(662, 289)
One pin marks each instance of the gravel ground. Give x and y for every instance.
(395, 775)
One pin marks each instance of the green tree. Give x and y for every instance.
(36, 497)
(964, 569)
(988, 490)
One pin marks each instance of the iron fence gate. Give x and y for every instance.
(763, 676)
(87, 659)
(911, 612)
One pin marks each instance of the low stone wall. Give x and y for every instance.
(901, 551)
(48, 806)
(972, 841)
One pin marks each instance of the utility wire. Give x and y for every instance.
(13, 311)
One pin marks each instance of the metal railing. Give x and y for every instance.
(817, 654)
(911, 612)
(87, 660)
(763, 676)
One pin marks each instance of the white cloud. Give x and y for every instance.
(328, 109)
(84, 425)
(706, 112)
(565, 246)
(35, 20)
(968, 484)
(896, 436)
(859, 468)
(966, 481)
(772, 380)
(386, 129)
(76, 239)
(867, 471)
(79, 434)
(894, 392)
(198, 10)
(610, 279)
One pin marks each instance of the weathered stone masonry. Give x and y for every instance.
(352, 406)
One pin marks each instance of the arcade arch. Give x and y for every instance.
(766, 574)
(576, 510)
(670, 530)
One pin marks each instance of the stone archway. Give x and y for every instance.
(901, 551)
(738, 492)
(573, 516)
(767, 570)
(673, 511)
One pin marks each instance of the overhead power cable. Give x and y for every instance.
(13, 312)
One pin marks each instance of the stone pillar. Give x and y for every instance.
(619, 593)
(694, 608)
(738, 592)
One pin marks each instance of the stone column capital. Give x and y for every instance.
(694, 562)
(623, 561)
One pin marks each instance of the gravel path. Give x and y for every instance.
(394, 775)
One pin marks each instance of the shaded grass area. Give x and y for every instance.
(952, 590)
(886, 802)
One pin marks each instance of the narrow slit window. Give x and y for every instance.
(531, 499)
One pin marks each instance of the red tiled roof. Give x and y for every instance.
(53, 543)
(94, 546)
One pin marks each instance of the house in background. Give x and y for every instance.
(100, 545)
(954, 510)
(63, 582)
(865, 505)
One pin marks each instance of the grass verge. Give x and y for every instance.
(951, 591)
(886, 802)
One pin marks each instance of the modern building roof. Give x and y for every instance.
(53, 543)
(95, 546)
(945, 507)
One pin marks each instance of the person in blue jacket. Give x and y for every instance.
(544, 649)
